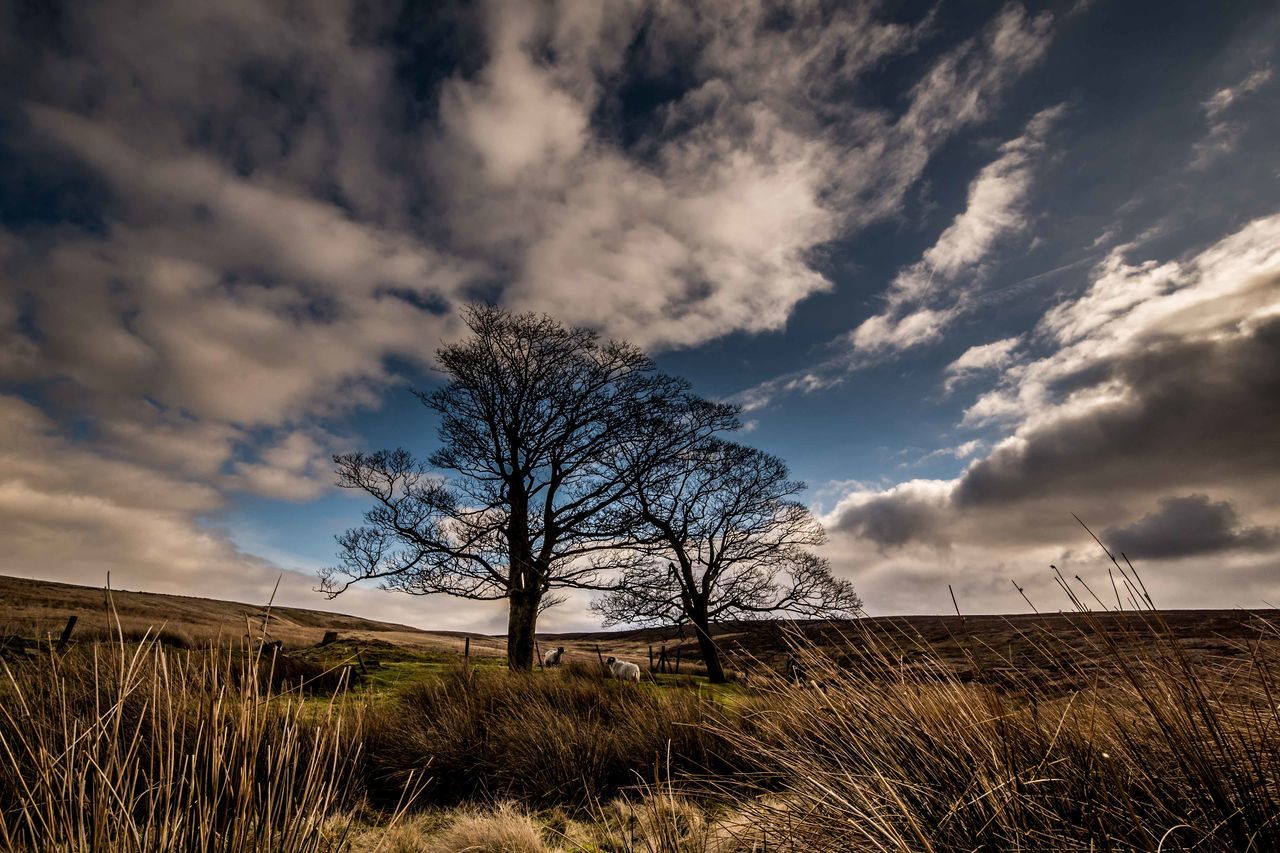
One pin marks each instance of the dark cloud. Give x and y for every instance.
(1159, 378)
(1188, 526)
(892, 520)
(1185, 413)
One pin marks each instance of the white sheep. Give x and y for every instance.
(553, 657)
(623, 670)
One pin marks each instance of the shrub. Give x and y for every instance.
(541, 739)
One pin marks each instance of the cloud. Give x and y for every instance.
(712, 220)
(271, 213)
(69, 513)
(964, 450)
(1160, 378)
(1187, 527)
(927, 296)
(1223, 99)
(980, 359)
(1224, 133)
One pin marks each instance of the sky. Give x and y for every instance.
(973, 269)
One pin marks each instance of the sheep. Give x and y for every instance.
(553, 657)
(799, 675)
(623, 670)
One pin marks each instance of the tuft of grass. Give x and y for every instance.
(549, 739)
(505, 828)
(141, 748)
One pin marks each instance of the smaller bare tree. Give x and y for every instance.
(734, 542)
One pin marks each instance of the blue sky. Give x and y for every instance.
(969, 267)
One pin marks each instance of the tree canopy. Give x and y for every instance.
(735, 543)
(525, 494)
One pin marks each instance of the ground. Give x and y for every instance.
(388, 654)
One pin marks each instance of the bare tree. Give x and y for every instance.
(723, 519)
(524, 496)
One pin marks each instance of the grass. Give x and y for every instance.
(560, 738)
(1092, 730)
(140, 748)
(1160, 751)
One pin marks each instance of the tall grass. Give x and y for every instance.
(544, 739)
(1156, 752)
(1112, 737)
(121, 747)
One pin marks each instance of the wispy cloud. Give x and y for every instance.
(929, 295)
(964, 450)
(981, 359)
(1224, 132)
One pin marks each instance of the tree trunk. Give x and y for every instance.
(522, 625)
(710, 654)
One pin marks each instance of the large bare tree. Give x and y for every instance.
(524, 495)
(725, 540)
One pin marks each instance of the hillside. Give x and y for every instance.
(995, 644)
(36, 608)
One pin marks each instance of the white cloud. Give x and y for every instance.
(1224, 133)
(927, 296)
(979, 359)
(964, 450)
(1157, 391)
(276, 217)
(1224, 98)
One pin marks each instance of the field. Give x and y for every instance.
(1082, 730)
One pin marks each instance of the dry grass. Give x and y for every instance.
(137, 748)
(1159, 752)
(1092, 731)
(39, 609)
(565, 737)
(501, 828)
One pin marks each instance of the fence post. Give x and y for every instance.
(466, 651)
(600, 657)
(66, 633)
(537, 651)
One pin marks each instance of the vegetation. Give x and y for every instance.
(1096, 730)
(126, 747)
(726, 515)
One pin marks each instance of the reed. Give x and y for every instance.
(137, 747)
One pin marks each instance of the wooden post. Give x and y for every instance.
(360, 657)
(651, 657)
(537, 652)
(600, 657)
(956, 606)
(66, 633)
(466, 652)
